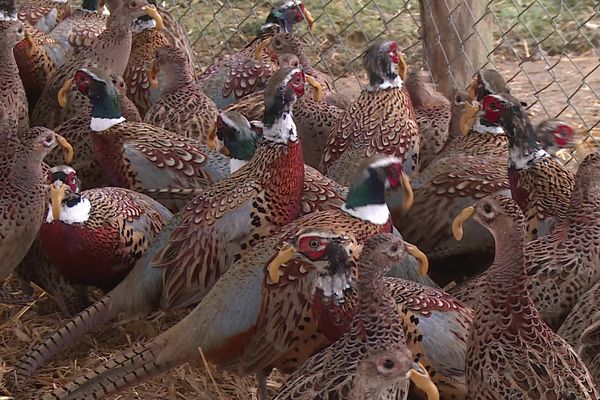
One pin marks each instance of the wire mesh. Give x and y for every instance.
(548, 50)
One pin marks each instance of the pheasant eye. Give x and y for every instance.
(388, 364)
(314, 243)
(487, 208)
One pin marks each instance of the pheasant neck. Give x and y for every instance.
(113, 46)
(178, 78)
(506, 278)
(106, 111)
(483, 126)
(90, 5)
(376, 317)
(522, 141)
(584, 210)
(388, 80)
(74, 210)
(366, 201)
(279, 126)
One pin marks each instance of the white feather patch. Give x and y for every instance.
(102, 124)
(282, 130)
(235, 164)
(7, 17)
(77, 214)
(478, 127)
(384, 162)
(378, 214)
(520, 161)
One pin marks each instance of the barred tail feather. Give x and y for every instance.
(89, 319)
(123, 371)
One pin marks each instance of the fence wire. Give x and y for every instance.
(549, 50)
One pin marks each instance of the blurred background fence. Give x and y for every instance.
(549, 50)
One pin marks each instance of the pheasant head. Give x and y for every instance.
(385, 65)
(366, 198)
(66, 203)
(486, 82)
(554, 135)
(282, 91)
(99, 88)
(287, 13)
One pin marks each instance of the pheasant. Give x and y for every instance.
(435, 324)
(581, 330)
(40, 54)
(43, 14)
(78, 132)
(148, 37)
(470, 167)
(109, 53)
(182, 107)
(313, 118)
(539, 183)
(432, 111)
(23, 198)
(238, 139)
(562, 265)
(381, 120)
(554, 135)
(12, 93)
(372, 361)
(249, 69)
(269, 337)
(106, 230)
(140, 156)
(213, 230)
(511, 352)
(285, 43)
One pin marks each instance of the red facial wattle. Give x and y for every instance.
(563, 135)
(71, 181)
(297, 83)
(393, 53)
(394, 175)
(312, 252)
(492, 108)
(299, 13)
(82, 80)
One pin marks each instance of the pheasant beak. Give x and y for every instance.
(309, 20)
(62, 93)
(472, 89)
(30, 42)
(409, 197)
(262, 45)
(153, 13)
(57, 195)
(457, 224)
(154, 74)
(402, 67)
(421, 258)
(467, 120)
(317, 86)
(67, 148)
(419, 376)
(213, 142)
(285, 255)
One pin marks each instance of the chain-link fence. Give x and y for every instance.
(549, 50)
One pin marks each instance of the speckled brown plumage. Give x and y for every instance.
(175, 33)
(272, 333)
(375, 334)
(562, 265)
(12, 93)
(381, 120)
(23, 200)
(35, 64)
(432, 111)
(226, 221)
(115, 228)
(137, 74)
(109, 52)
(77, 131)
(43, 14)
(511, 352)
(539, 183)
(140, 156)
(181, 107)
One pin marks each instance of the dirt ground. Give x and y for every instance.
(21, 327)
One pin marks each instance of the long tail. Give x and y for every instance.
(89, 319)
(119, 373)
